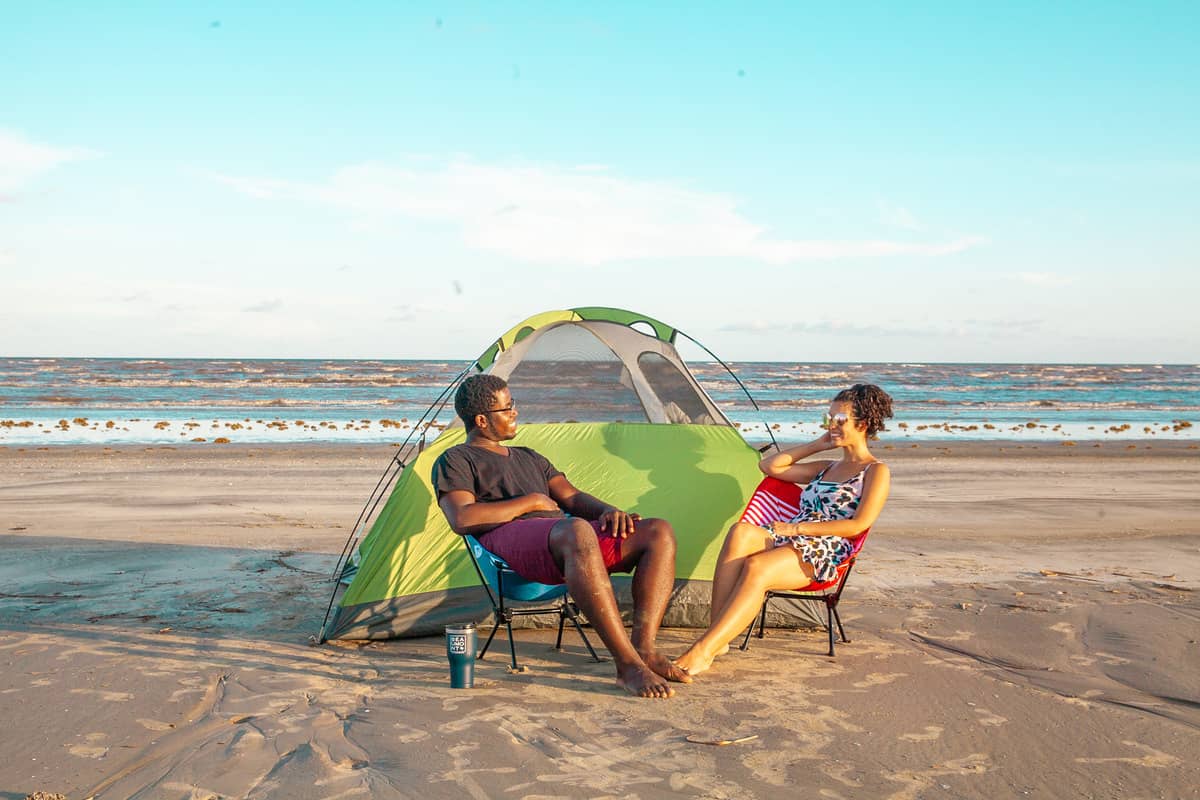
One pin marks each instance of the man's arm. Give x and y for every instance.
(583, 505)
(467, 516)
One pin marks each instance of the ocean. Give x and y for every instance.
(71, 401)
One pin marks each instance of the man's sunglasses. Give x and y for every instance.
(505, 410)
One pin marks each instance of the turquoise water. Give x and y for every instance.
(126, 401)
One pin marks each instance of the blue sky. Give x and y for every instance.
(825, 182)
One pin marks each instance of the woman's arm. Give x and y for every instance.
(782, 465)
(876, 486)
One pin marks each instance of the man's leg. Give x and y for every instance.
(650, 554)
(574, 547)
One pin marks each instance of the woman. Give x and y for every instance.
(841, 499)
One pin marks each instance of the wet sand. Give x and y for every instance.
(1025, 622)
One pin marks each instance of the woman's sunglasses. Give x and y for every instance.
(836, 419)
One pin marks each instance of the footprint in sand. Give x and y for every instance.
(989, 718)
(111, 697)
(931, 733)
(1065, 628)
(91, 748)
(918, 782)
(1153, 758)
(878, 679)
(155, 725)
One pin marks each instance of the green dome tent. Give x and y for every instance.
(605, 396)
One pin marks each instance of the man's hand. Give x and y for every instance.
(618, 523)
(540, 502)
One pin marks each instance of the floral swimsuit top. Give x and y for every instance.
(822, 501)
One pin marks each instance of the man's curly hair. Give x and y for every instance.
(871, 405)
(475, 396)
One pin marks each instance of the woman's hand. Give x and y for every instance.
(785, 529)
(823, 442)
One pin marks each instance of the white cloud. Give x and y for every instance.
(22, 160)
(1048, 279)
(572, 215)
(936, 330)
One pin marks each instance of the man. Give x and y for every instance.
(513, 500)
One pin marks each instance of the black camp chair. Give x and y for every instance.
(501, 583)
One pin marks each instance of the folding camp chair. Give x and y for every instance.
(502, 584)
(776, 501)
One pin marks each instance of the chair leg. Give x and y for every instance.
(562, 620)
(512, 644)
(491, 636)
(746, 641)
(829, 627)
(761, 621)
(574, 616)
(762, 617)
(841, 630)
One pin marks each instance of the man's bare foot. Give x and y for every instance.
(641, 681)
(694, 662)
(665, 667)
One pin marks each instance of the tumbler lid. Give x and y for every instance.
(461, 627)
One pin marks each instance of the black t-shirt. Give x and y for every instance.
(491, 477)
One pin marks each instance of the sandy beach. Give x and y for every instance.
(1025, 623)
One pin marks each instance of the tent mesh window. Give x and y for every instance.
(678, 396)
(569, 375)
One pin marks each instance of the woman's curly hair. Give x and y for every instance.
(871, 405)
(475, 396)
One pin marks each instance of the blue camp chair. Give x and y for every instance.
(501, 583)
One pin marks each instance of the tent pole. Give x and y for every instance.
(738, 380)
(385, 481)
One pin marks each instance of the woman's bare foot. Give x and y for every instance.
(665, 667)
(641, 681)
(694, 661)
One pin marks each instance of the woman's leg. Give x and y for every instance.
(742, 540)
(779, 568)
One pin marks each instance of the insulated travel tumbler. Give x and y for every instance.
(460, 649)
